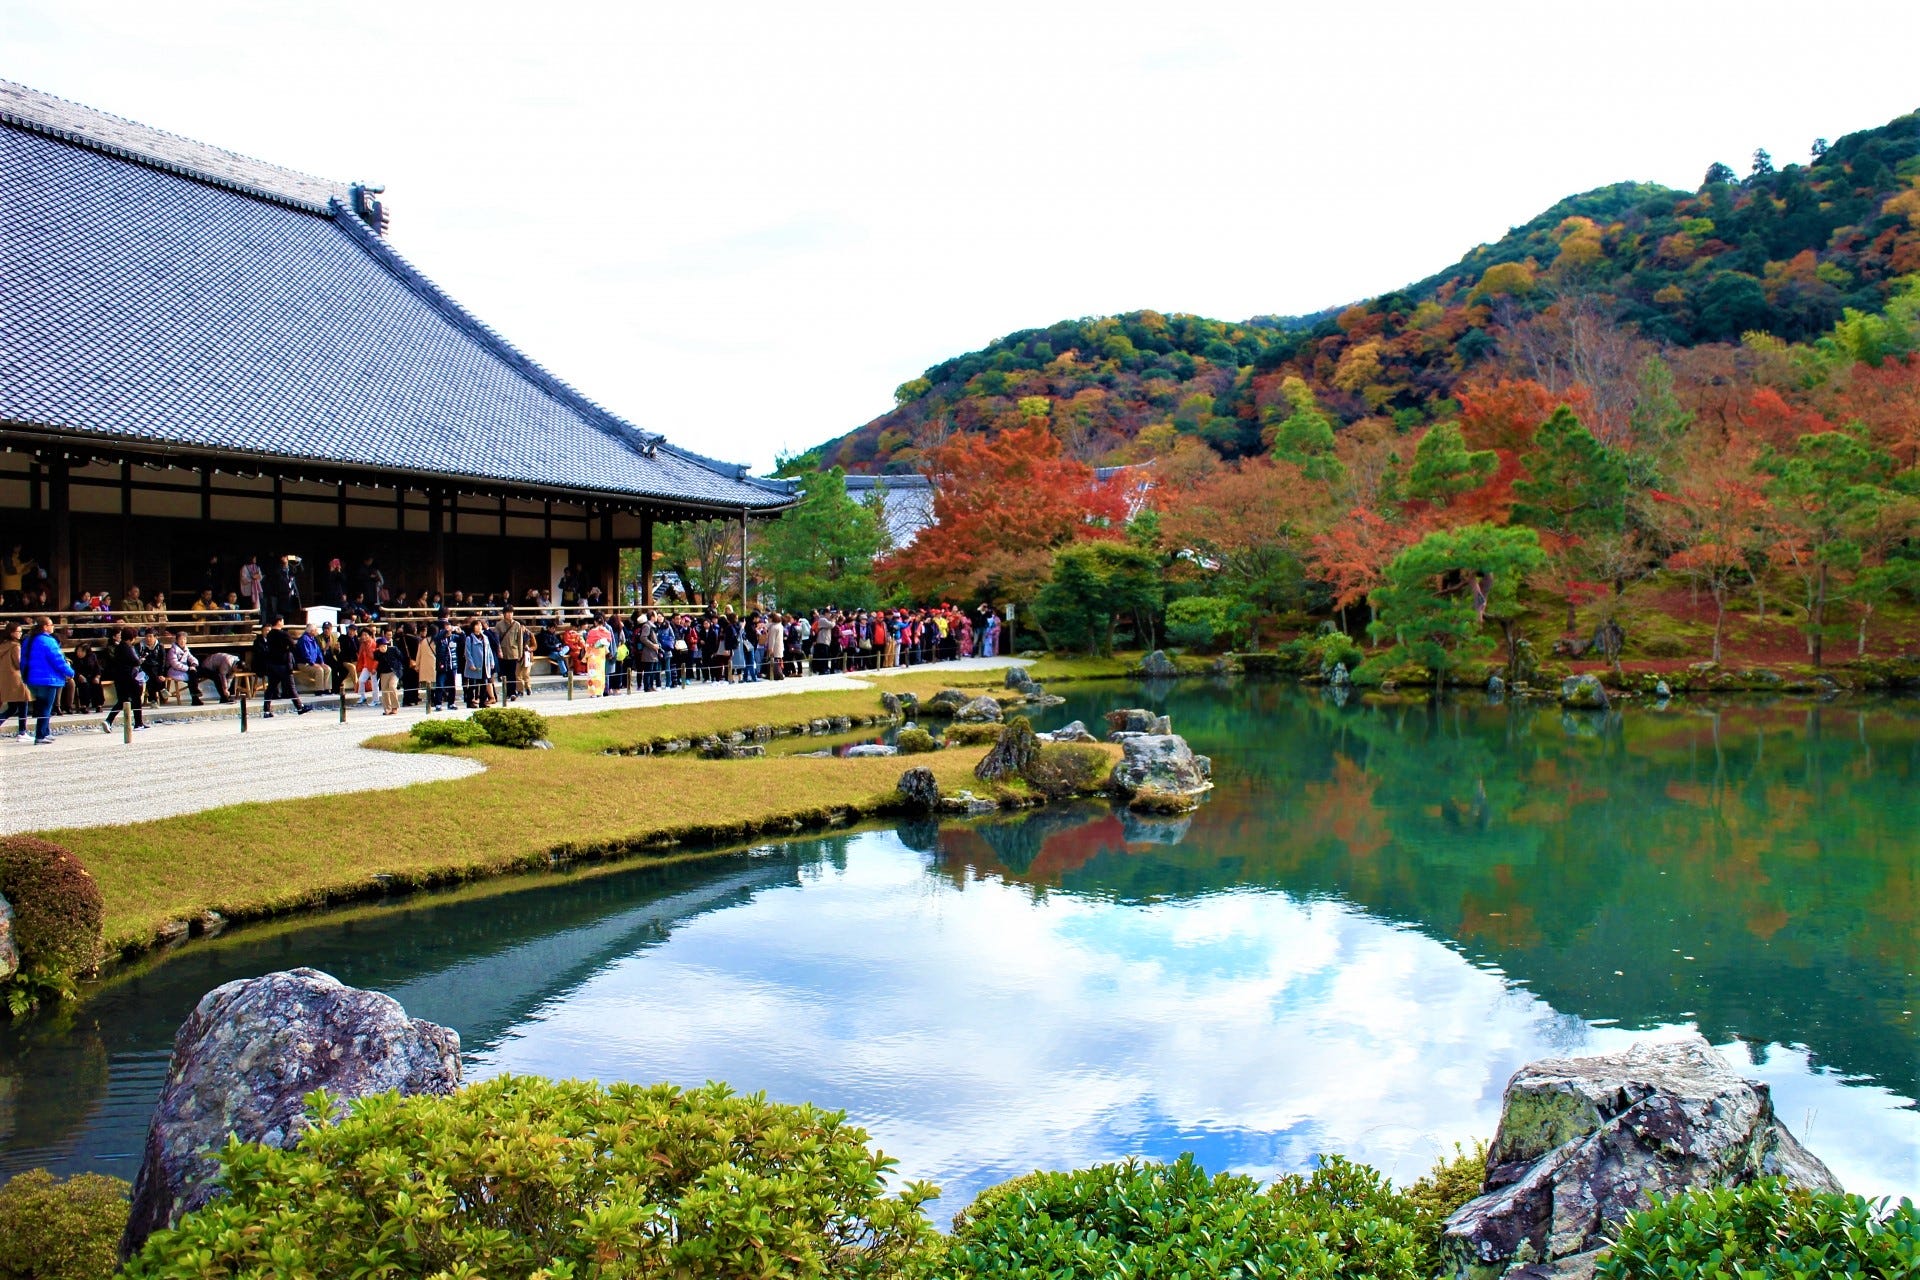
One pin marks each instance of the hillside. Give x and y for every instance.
(1577, 296)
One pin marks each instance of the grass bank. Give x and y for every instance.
(527, 811)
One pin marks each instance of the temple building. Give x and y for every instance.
(205, 355)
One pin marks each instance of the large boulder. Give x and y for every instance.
(1157, 665)
(1161, 764)
(947, 702)
(1013, 751)
(920, 790)
(246, 1057)
(982, 710)
(1019, 678)
(1137, 720)
(1583, 693)
(9, 953)
(865, 749)
(1583, 1142)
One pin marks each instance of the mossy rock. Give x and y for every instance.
(972, 735)
(1375, 675)
(1152, 799)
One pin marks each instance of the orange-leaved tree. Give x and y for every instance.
(1248, 527)
(1353, 553)
(1002, 504)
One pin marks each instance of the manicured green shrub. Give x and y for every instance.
(1764, 1230)
(1200, 622)
(521, 1176)
(511, 726)
(1317, 654)
(1451, 1182)
(1063, 769)
(971, 735)
(915, 741)
(54, 1230)
(1141, 1219)
(449, 732)
(57, 914)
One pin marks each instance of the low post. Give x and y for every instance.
(343, 704)
(569, 682)
(126, 723)
(243, 711)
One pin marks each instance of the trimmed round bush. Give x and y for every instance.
(511, 726)
(521, 1176)
(915, 741)
(971, 735)
(54, 1230)
(1063, 769)
(449, 733)
(1141, 1219)
(1200, 622)
(1763, 1230)
(57, 909)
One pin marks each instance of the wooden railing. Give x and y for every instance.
(220, 629)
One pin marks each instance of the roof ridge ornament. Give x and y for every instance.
(372, 212)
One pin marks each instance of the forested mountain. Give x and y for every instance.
(1575, 300)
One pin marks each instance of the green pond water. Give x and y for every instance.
(1381, 911)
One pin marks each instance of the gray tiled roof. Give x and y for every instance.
(148, 301)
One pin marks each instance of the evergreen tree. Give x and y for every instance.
(1439, 592)
(1574, 487)
(1444, 467)
(821, 552)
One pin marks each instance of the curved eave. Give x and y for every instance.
(764, 501)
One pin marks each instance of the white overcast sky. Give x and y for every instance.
(745, 224)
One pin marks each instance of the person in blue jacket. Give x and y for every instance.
(45, 671)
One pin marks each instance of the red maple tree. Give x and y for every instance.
(1002, 505)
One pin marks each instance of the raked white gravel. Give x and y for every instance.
(88, 779)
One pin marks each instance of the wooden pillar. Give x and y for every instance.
(60, 554)
(609, 559)
(437, 538)
(745, 605)
(126, 531)
(646, 558)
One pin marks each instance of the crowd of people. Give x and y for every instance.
(123, 669)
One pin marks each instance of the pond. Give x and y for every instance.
(1381, 911)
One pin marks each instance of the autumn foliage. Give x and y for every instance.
(1717, 388)
(1002, 505)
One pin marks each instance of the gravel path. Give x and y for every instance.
(184, 765)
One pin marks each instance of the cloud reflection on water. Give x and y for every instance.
(980, 1030)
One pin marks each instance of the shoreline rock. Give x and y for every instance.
(1583, 1141)
(245, 1059)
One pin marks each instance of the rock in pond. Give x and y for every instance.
(1018, 678)
(1583, 1141)
(246, 1057)
(945, 703)
(865, 749)
(1073, 732)
(1157, 665)
(1162, 764)
(1137, 720)
(982, 710)
(1583, 693)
